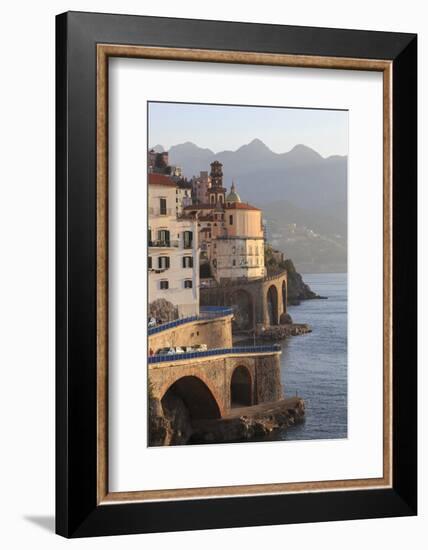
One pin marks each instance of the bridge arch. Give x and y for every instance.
(243, 309)
(284, 297)
(272, 305)
(241, 388)
(196, 396)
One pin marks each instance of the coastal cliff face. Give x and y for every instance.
(298, 290)
(173, 426)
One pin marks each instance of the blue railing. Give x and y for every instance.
(215, 308)
(212, 352)
(206, 312)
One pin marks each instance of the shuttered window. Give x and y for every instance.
(188, 239)
(163, 262)
(187, 261)
(163, 236)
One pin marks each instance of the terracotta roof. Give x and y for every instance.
(160, 179)
(241, 206)
(233, 206)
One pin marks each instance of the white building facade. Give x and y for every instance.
(239, 257)
(173, 254)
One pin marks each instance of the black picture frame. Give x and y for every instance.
(77, 512)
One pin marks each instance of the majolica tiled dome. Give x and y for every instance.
(233, 195)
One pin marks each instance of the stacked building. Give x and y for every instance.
(197, 228)
(230, 231)
(173, 252)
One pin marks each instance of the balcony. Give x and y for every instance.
(160, 211)
(164, 244)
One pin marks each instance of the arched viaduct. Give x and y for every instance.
(261, 301)
(211, 386)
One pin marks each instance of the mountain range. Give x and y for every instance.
(296, 187)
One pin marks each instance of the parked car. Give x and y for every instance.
(170, 351)
(152, 322)
(165, 351)
(200, 347)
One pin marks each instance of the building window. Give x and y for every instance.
(212, 199)
(187, 261)
(188, 239)
(149, 262)
(162, 207)
(163, 262)
(164, 237)
(220, 198)
(234, 263)
(188, 283)
(231, 220)
(164, 285)
(150, 236)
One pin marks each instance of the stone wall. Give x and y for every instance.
(215, 333)
(256, 298)
(268, 380)
(216, 373)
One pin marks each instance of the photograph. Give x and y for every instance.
(213, 258)
(247, 273)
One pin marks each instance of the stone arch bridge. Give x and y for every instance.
(211, 386)
(255, 302)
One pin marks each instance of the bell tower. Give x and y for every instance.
(217, 191)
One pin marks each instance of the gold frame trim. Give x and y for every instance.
(104, 51)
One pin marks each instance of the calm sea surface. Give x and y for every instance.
(314, 365)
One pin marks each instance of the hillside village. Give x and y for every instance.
(213, 283)
(208, 247)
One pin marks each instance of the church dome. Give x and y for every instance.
(233, 195)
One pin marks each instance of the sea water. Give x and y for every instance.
(314, 365)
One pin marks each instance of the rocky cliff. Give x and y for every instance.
(298, 290)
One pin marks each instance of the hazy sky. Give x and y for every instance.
(223, 127)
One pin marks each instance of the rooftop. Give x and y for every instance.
(160, 179)
(241, 206)
(233, 206)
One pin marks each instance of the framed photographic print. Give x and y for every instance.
(236, 274)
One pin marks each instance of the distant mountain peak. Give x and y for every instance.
(256, 145)
(303, 153)
(189, 146)
(257, 142)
